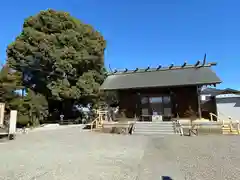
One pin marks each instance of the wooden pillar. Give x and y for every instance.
(199, 102)
(137, 110)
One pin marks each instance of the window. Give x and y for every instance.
(155, 100)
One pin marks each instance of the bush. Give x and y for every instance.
(22, 121)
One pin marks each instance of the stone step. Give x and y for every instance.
(227, 132)
(161, 122)
(153, 125)
(150, 126)
(234, 130)
(226, 126)
(154, 130)
(172, 130)
(230, 133)
(228, 129)
(157, 130)
(153, 133)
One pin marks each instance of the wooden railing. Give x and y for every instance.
(238, 126)
(178, 127)
(218, 119)
(98, 122)
(214, 115)
(230, 122)
(232, 128)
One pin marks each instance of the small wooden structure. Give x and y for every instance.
(102, 123)
(162, 93)
(99, 120)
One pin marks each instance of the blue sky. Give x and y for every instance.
(148, 32)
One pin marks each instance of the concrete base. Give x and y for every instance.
(11, 136)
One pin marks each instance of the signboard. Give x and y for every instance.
(156, 118)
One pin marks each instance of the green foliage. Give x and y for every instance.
(37, 107)
(108, 97)
(10, 81)
(22, 121)
(32, 108)
(60, 58)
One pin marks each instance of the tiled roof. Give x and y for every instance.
(198, 74)
(215, 92)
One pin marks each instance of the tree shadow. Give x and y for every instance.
(166, 178)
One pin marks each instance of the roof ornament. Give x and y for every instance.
(204, 59)
(147, 68)
(110, 68)
(197, 63)
(184, 64)
(171, 66)
(212, 64)
(205, 64)
(136, 70)
(159, 66)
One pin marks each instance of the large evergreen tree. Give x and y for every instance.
(10, 83)
(60, 58)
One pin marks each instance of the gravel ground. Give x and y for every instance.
(71, 154)
(209, 157)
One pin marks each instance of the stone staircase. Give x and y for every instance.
(227, 130)
(154, 128)
(229, 125)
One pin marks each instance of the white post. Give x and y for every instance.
(2, 109)
(13, 122)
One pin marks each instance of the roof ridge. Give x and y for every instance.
(160, 68)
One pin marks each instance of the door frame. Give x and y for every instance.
(147, 105)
